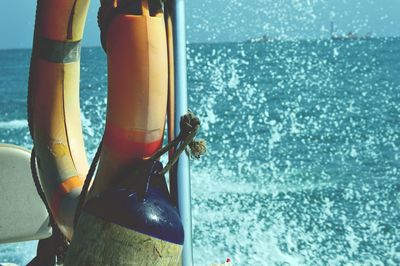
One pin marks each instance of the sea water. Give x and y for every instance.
(303, 162)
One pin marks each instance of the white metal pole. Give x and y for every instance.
(181, 108)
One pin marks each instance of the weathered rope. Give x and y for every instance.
(60, 242)
(86, 185)
(189, 125)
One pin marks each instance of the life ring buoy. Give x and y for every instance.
(137, 95)
(54, 111)
(138, 74)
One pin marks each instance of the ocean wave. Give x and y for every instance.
(14, 124)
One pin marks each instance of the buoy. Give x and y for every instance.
(133, 223)
(53, 106)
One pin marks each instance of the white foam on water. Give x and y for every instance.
(87, 125)
(229, 221)
(14, 124)
(18, 253)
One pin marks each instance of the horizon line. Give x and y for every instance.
(222, 42)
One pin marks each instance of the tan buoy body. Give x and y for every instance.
(98, 242)
(132, 223)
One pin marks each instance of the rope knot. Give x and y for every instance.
(189, 123)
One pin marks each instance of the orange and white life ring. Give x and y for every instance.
(137, 56)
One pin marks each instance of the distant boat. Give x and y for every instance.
(349, 36)
(262, 39)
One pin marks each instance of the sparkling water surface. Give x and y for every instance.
(303, 166)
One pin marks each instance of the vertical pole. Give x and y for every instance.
(181, 108)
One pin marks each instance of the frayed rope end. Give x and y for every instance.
(196, 148)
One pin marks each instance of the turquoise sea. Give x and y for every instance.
(303, 166)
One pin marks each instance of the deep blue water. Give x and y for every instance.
(303, 165)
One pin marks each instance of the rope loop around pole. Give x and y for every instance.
(185, 141)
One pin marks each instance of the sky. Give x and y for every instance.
(237, 20)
